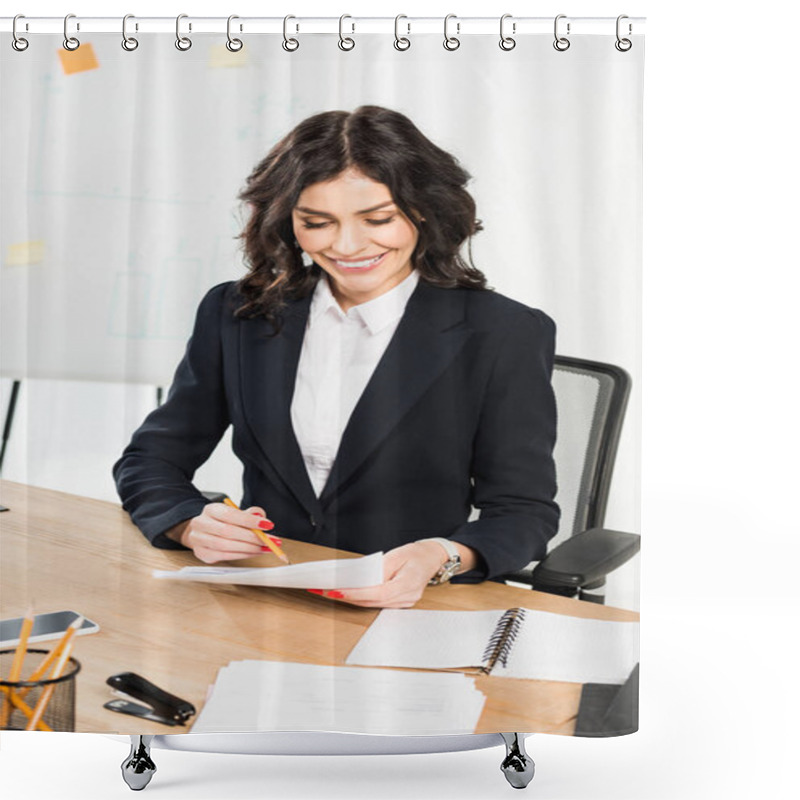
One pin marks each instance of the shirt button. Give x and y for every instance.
(313, 522)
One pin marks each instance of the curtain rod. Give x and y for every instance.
(407, 25)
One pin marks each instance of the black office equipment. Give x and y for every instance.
(164, 707)
(609, 710)
(592, 398)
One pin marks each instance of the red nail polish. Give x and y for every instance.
(315, 591)
(257, 514)
(265, 549)
(335, 595)
(266, 524)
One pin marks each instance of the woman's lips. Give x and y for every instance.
(342, 266)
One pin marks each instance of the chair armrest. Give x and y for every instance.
(585, 558)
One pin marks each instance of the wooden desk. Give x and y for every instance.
(60, 551)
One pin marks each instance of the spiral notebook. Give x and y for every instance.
(515, 643)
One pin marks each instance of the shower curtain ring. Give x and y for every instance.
(561, 43)
(234, 45)
(128, 42)
(18, 43)
(506, 42)
(345, 42)
(401, 43)
(182, 42)
(70, 42)
(290, 45)
(623, 45)
(451, 42)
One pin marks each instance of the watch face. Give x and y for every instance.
(450, 568)
(446, 571)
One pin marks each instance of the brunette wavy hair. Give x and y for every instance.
(386, 146)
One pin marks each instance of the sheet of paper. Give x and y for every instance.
(274, 696)
(548, 646)
(401, 637)
(340, 573)
(556, 647)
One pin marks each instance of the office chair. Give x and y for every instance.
(591, 398)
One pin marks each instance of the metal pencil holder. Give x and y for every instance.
(59, 715)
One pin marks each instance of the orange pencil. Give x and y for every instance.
(53, 654)
(16, 665)
(261, 535)
(25, 709)
(17, 697)
(41, 706)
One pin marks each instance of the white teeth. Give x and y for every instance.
(356, 264)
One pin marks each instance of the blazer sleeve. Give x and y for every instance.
(513, 471)
(154, 474)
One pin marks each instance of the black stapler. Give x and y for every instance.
(163, 707)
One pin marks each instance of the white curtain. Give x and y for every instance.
(119, 187)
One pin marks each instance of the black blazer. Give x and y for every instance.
(460, 411)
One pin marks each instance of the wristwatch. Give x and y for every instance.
(450, 567)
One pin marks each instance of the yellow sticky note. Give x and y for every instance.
(220, 56)
(78, 60)
(24, 253)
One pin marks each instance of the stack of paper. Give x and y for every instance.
(339, 573)
(285, 696)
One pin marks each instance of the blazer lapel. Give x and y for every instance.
(268, 366)
(429, 336)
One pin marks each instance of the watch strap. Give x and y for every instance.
(451, 566)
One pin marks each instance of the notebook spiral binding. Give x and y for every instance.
(502, 639)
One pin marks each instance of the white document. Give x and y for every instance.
(285, 696)
(545, 646)
(340, 573)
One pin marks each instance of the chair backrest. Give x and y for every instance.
(591, 399)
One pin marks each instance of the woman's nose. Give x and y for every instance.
(349, 240)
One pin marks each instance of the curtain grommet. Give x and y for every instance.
(622, 44)
(19, 43)
(401, 42)
(345, 42)
(289, 44)
(129, 43)
(183, 43)
(234, 45)
(70, 42)
(451, 43)
(561, 43)
(507, 42)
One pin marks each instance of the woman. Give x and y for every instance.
(376, 387)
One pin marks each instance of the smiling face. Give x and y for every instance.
(353, 229)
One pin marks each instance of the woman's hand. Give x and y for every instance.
(221, 533)
(406, 572)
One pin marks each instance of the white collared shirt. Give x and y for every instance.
(339, 354)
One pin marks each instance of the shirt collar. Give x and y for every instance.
(376, 314)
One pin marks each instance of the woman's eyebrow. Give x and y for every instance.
(326, 214)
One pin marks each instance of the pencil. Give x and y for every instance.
(17, 698)
(44, 699)
(52, 655)
(16, 665)
(25, 708)
(261, 535)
